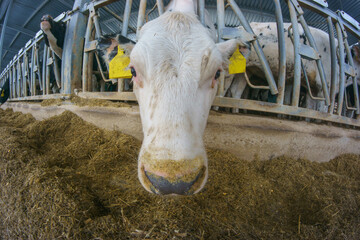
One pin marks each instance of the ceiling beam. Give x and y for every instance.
(20, 29)
(4, 6)
(12, 50)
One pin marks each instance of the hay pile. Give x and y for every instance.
(81, 102)
(64, 178)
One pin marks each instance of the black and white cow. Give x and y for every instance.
(4, 92)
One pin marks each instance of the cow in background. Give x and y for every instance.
(54, 34)
(267, 36)
(4, 92)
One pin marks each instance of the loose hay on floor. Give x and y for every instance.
(64, 178)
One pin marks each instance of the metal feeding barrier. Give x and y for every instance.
(35, 73)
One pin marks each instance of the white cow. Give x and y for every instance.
(175, 65)
(267, 36)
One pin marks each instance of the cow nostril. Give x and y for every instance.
(161, 185)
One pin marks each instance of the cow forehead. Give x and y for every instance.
(173, 44)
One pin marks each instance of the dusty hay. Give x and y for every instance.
(51, 102)
(92, 102)
(81, 102)
(64, 178)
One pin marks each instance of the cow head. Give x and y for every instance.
(46, 22)
(176, 66)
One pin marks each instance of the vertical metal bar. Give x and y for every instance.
(120, 86)
(127, 13)
(44, 70)
(221, 26)
(342, 70)
(333, 64)
(355, 88)
(319, 64)
(23, 67)
(18, 77)
(2, 36)
(141, 16)
(10, 83)
(85, 64)
(14, 79)
(48, 71)
(98, 31)
(26, 74)
(257, 47)
(160, 6)
(37, 62)
(32, 73)
(220, 18)
(202, 11)
(297, 57)
(71, 68)
(282, 52)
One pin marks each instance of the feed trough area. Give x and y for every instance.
(63, 178)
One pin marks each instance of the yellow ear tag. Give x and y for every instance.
(118, 65)
(237, 63)
(2, 93)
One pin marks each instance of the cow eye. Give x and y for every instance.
(133, 72)
(217, 74)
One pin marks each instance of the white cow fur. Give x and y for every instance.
(267, 36)
(176, 60)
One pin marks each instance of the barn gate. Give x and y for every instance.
(35, 74)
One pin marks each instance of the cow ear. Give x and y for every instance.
(228, 48)
(126, 44)
(127, 47)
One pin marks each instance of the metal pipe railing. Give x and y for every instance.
(341, 68)
(297, 57)
(265, 65)
(282, 52)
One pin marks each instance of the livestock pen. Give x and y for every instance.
(62, 177)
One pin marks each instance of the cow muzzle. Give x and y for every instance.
(184, 177)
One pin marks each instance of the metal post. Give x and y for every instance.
(47, 84)
(355, 88)
(10, 84)
(297, 57)
(257, 47)
(318, 61)
(127, 13)
(342, 70)
(3, 29)
(73, 50)
(44, 71)
(18, 78)
(85, 65)
(221, 26)
(141, 16)
(282, 52)
(202, 11)
(160, 6)
(32, 73)
(333, 64)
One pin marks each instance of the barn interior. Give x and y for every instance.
(68, 165)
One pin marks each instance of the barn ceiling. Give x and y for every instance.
(24, 17)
